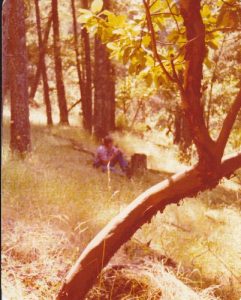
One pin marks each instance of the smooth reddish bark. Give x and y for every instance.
(97, 254)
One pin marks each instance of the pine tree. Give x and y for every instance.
(104, 84)
(58, 66)
(17, 61)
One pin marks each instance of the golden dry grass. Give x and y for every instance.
(54, 202)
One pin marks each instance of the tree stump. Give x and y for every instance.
(138, 163)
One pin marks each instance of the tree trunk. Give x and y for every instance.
(5, 46)
(213, 79)
(58, 66)
(19, 124)
(36, 79)
(191, 94)
(104, 83)
(97, 254)
(43, 66)
(77, 54)
(87, 99)
(138, 163)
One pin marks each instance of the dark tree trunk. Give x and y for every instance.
(43, 66)
(87, 77)
(36, 79)
(104, 84)
(5, 54)
(138, 163)
(77, 54)
(58, 66)
(19, 124)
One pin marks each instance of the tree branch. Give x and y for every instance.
(37, 75)
(73, 105)
(212, 82)
(173, 15)
(178, 81)
(195, 52)
(154, 43)
(230, 163)
(228, 124)
(120, 229)
(224, 29)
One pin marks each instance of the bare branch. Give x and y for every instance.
(164, 14)
(179, 83)
(230, 163)
(37, 75)
(224, 29)
(230, 4)
(154, 43)
(73, 105)
(173, 15)
(228, 124)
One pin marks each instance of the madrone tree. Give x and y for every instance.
(190, 27)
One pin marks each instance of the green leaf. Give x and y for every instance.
(116, 21)
(112, 46)
(126, 55)
(106, 12)
(175, 9)
(96, 6)
(156, 6)
(148, 79)
(206, 11)
(146, 40)
(208, 63)
(85, 15)
(119, 31)
(213, 44)
(150, 61)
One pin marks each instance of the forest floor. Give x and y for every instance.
(54, 203)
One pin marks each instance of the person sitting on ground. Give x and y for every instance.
(108, 156)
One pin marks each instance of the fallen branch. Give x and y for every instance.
(73, 105)
(75, 145)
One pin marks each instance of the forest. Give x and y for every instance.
(151, 85)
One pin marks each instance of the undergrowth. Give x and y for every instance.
(54, 203)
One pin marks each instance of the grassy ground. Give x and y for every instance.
(54, 202)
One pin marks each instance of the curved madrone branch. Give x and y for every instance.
(205, 175)
(97, 254)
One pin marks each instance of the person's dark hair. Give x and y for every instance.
(107, 140)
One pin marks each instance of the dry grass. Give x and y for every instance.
(55, 202)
